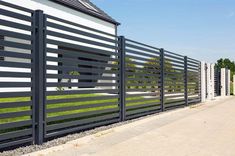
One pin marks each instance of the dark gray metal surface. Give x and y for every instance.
(93, 79)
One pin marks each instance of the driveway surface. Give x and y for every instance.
(203, 130)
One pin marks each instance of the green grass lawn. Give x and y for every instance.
(68, 104)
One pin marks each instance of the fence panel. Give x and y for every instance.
(59, 77)
(194, 81)
(217, 78)
(16, 76)
(82, 78)
(142, 70)
(174, 80)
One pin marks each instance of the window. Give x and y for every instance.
(76, 63)
(1, 48)
(88, 5)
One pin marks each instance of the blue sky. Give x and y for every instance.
(202, 29)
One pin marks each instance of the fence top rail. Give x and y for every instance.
(81, 26)
(172, 53)
(194, 60)
(135, 42)
(16, 7)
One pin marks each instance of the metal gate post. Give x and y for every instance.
(122, 88)
(162, 75)
(39, 76)
(186, 80)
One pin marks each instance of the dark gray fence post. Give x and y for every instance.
(186, 80)
(39, 76)
(162, 73)
(122, 88)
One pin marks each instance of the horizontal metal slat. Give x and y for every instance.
(132, 112)
(142, 94)
(154, 59)
(15, 134)
(79, 25)
(142, 106)
(84, 127)
(107, 91)
(141, 48)
(15, 94)
(170, 60)
(16, 35)
(81, 77)
(144, 79)
(80, 39)
(15, 104)
(15, 74)
(17, 142)
(15, 15)
(143, 84)
(15, 114)
(78, 115)
(171, 53)
(142, 114)
(144, 70)
(80, 69)
(83, 54)
(16, 45)
(173, 57)
(142, 90)
(16, 25)
(80, 84)
(15, 64)
(15, 84)
(142, 44)
(128, 74)
(16, 124)
(76, 31)
(77, 62)
(81, 122)
(80, 47)
(71, 108)
(82, 99)
(134, 52)
(15, 54)
(137, 100)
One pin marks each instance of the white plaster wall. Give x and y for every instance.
(208, 75)
(212, 81)
(228, 79)
(203, 82)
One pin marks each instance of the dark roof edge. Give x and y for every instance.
(88, 12)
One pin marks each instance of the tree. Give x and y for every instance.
(226, 63)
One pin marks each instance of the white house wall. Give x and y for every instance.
(66, 13)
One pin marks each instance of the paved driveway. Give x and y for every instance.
(204, 130)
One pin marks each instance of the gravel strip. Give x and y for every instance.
(63, 140)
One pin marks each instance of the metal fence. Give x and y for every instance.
(58, 77)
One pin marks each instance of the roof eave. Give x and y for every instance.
(88, 12)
